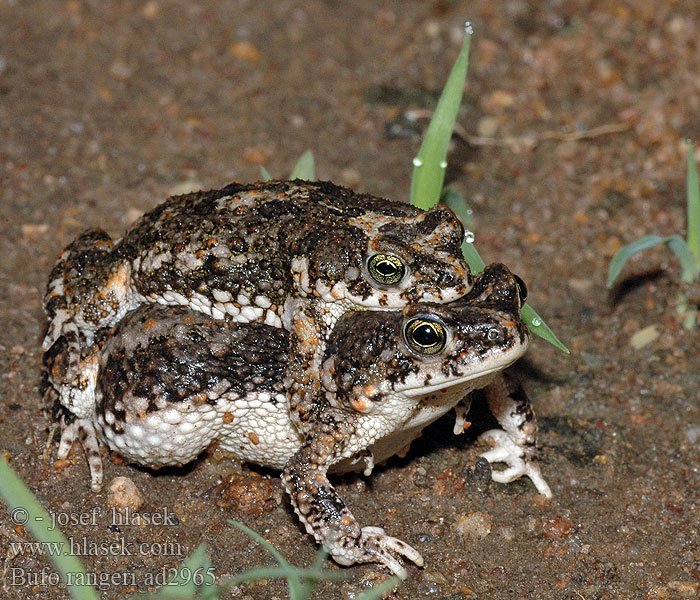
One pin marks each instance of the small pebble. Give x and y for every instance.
(506, 533)
(34, 230)
(540, 501)
(123, 493)
(247, 493)
(476, 525)
(131, 215)
(557, 528)
(685, 589)
(580, 285)
(692, 434)
(487, 126)
(150, 10)
(245, 51)
(644, 337)
(255, 156)
(120, 69)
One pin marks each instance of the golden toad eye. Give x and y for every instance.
(386, 269)
(425, 336)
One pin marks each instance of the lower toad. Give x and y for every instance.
(170, 381)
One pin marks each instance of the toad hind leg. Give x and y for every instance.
(513, 445)
(322, 510)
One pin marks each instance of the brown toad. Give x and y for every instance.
(170, 381)
(288, 254)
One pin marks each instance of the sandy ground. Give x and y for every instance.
(106, 108)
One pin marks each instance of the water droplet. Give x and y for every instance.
(470, 211)
(536, 322)
(443, 164)
(417, 162)
(469, 237)
(468, 28)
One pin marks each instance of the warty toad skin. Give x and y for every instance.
(289, 254)
(170, 381)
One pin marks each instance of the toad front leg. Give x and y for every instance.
(88, 290)
(73, 407)
(322, 510)
(513, 445)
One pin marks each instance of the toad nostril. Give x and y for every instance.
(522, 289)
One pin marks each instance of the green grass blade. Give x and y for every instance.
(317, 564)
(296, 587)
(197, 563)
(430, 163)
(453, 198)
(474, 260)
(689, 269)
(265, 174)
(22, 504)
(537, 326)
(383, 588)
(626, 252)
(262, 541)
(305, 168)
(693, 192)
(194, 579)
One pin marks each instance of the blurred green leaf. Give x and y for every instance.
(475, 262)
(626, 252)
(265, 174)
(25, 510)
(689, 268)
(300, 581)
(305, 168)
(676, 243)
(296, 587)
(453, 199)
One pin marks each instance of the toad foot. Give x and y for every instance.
(373, 545)
(83, 431)
(520, 460)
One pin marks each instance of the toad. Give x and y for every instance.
(170, 381)
(288, 254)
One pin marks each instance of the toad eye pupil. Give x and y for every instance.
(425, 336)
(386, 269)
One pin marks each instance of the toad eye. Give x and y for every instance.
(386, 269)
(522, 289)
(425, 336)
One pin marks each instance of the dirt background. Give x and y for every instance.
(106, 108)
